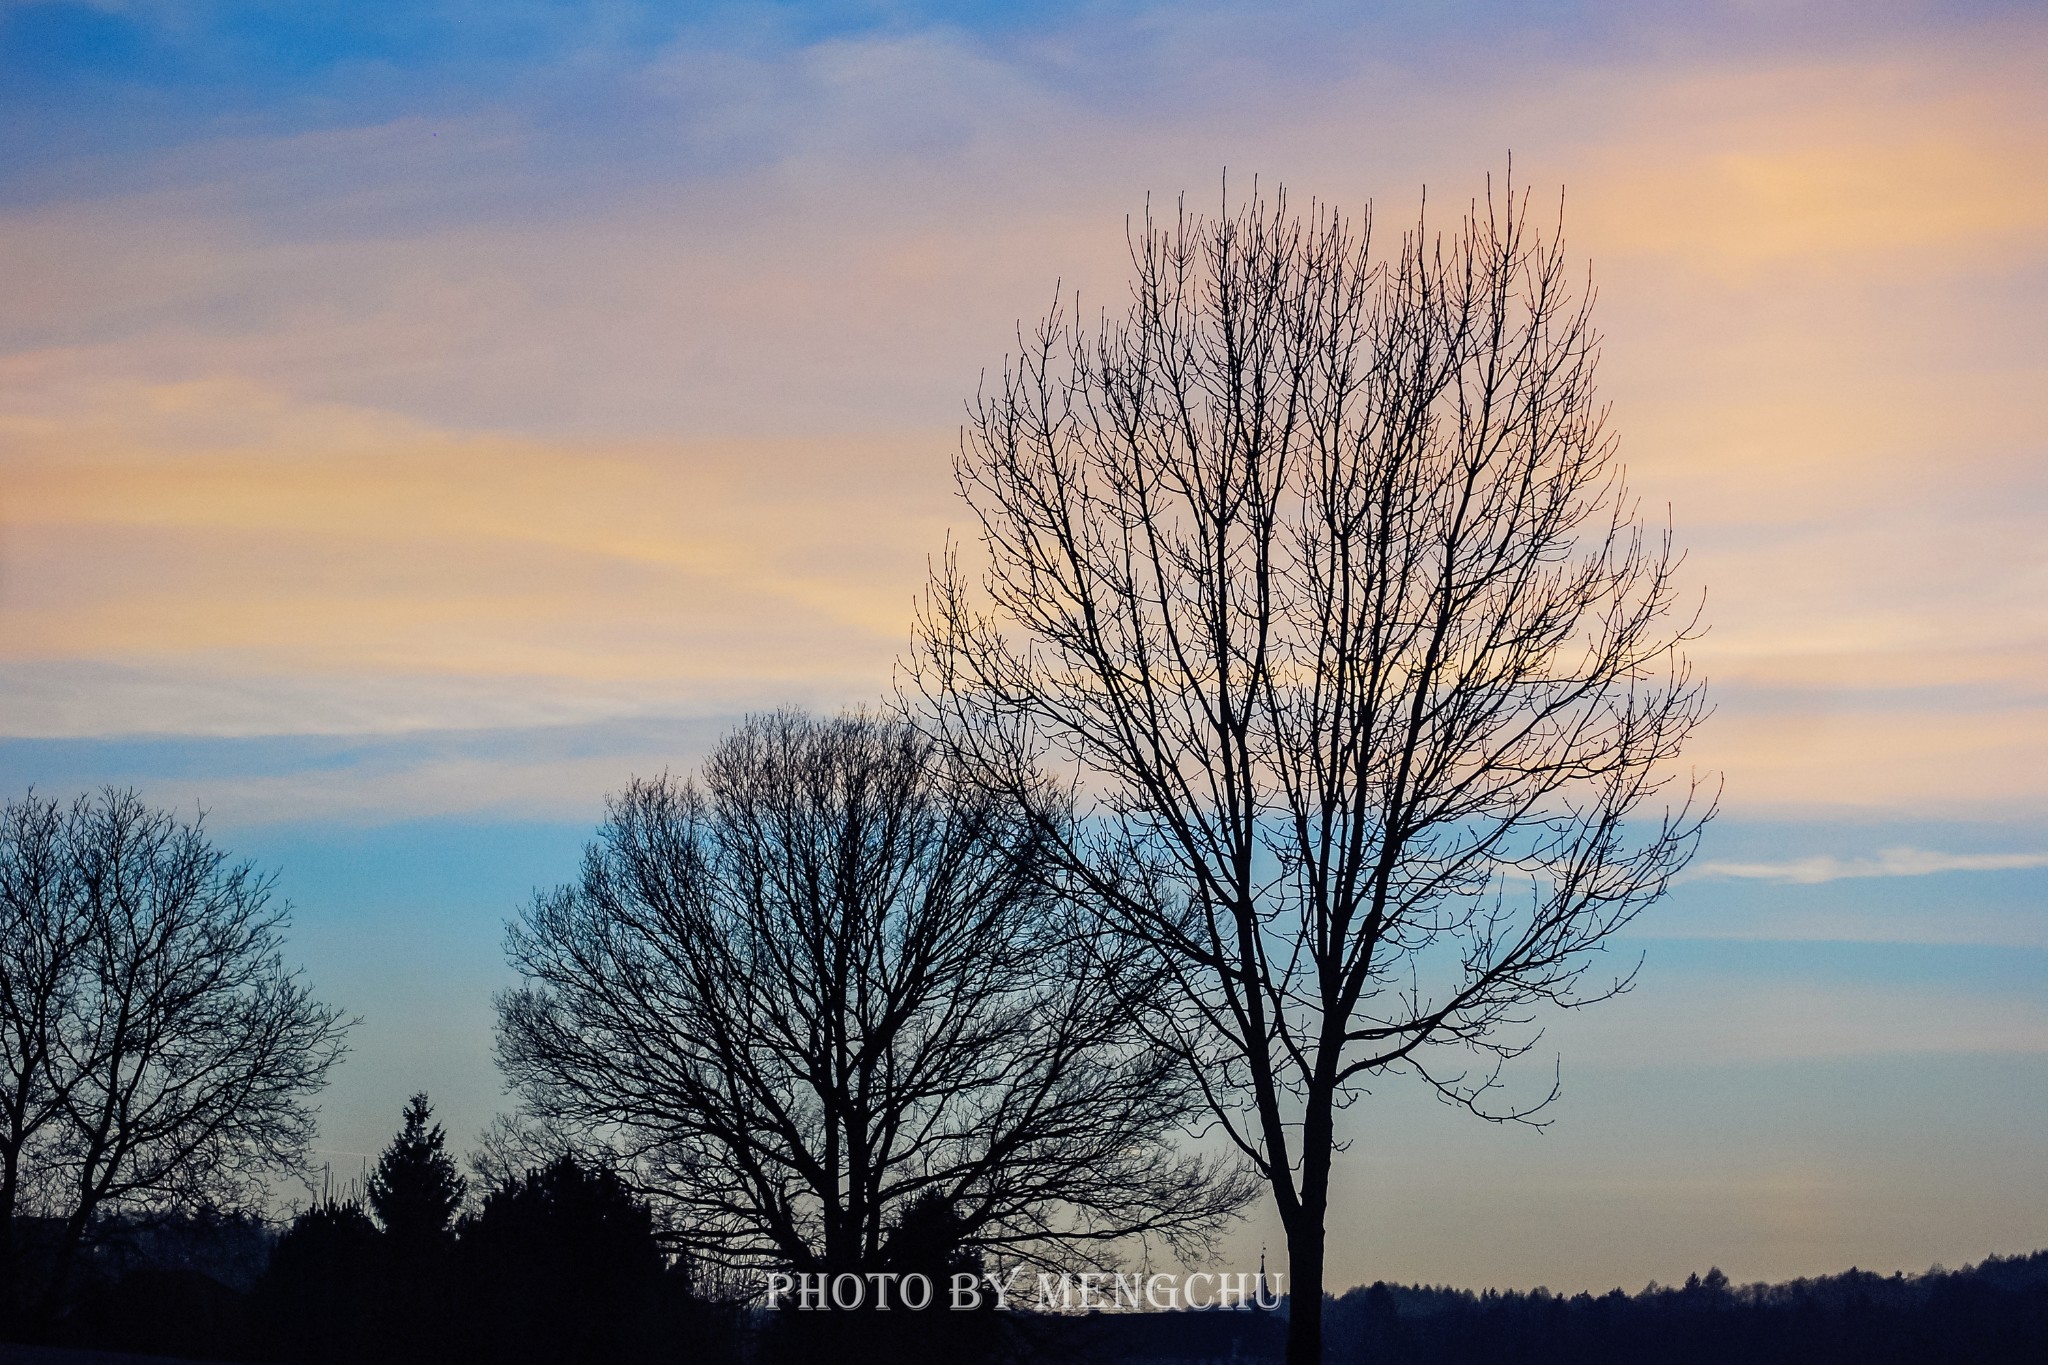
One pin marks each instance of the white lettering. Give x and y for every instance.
(1092, 1291)
(1003, 1288)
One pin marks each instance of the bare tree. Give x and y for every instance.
(830, 985)
(42, 948)
(1319, 575)
(158, 1053)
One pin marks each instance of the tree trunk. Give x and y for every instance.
(1307, 1233)
(10, 1279)
(13, 1295)
(60, 1270)
(1305, 1294)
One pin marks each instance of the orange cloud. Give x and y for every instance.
(1933, 153)
(218, 520)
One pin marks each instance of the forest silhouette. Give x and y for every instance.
(563, 1265)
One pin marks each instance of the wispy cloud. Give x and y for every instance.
(406, 417)
(214, 558)
(1890, 862)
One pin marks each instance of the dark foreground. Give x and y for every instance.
(334, 1308)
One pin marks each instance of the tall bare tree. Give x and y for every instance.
(831, 985)
(157, 1052)
(1318, 574)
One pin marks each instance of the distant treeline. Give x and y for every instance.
(1994, 1313)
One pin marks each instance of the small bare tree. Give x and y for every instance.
(830, 986)
(1318, 573)
(43, 940)
(157, 1054)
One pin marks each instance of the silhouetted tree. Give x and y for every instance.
(832, 983)
(318, 1303)
(1317, 574)
(415, 1192)
(562, 1265)
(156, 1053)
(513, 1144)
(43, 938)
(415, 1188)
(929, 1238)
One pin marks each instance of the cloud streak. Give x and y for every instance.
(178, 553)
(1890, 862)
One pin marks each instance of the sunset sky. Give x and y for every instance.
(418, 418)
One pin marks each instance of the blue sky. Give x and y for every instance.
(417, 419)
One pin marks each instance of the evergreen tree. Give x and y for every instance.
(562, 1267)
(415, 1188)
(317, 1303)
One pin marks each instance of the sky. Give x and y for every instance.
(416, 419)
